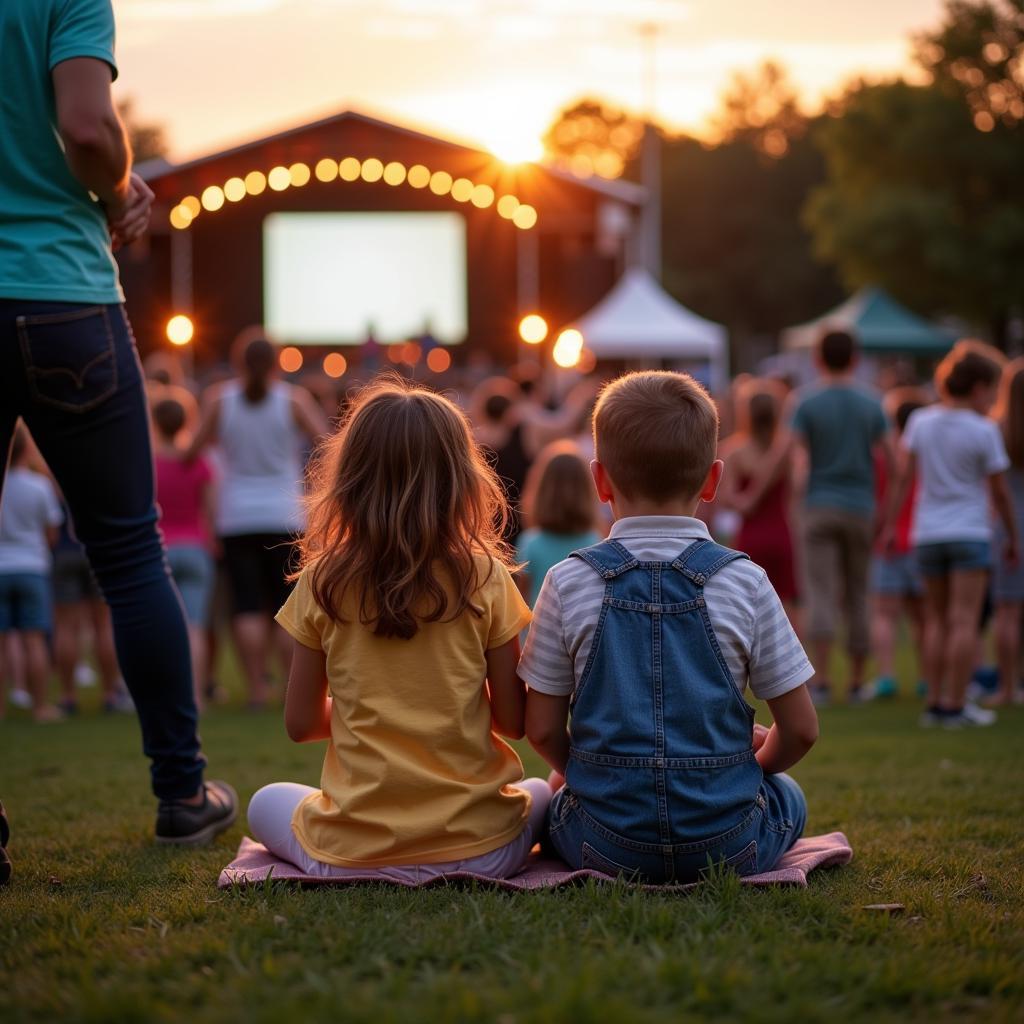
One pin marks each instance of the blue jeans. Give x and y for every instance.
(72, 373)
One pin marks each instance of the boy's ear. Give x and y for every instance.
(601, 481)
(711, 482)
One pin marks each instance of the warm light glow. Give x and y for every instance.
(524, 217)
(419, 176)
(568, 348)
(411, 353)
(394, 173)
(533, 329)
(482, 197)
(440, 183)
(234, 190)
(299, 174)
(279, 179)
(290, 359)
(462, 190)
(326, 170)
(180, 217)
(395, 353)
(507, 206)
(438, 360)
(255, 183)
(335, 364)
(349, 168)
(373, 170)
(213, 198)
(514, 146)
(192, 204)
(180, 330)
(588, 361)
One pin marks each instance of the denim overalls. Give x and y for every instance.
(661, 779)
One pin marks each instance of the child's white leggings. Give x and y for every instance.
(270, 821)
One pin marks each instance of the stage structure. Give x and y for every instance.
(351, 227)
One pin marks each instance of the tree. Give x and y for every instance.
(148, 140)
(922, 198)
(762, 109)
(593, 137)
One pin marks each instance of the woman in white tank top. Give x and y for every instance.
(262, 427)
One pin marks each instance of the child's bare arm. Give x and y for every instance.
(507, 691)
(546, 719)
(307, 707)
(793, 734)
(899, 488)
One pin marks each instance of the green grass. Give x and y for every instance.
(101, 925)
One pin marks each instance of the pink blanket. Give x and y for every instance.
(255, 864)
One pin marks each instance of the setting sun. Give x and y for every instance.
(514, 145)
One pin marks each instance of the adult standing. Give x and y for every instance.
(842, 425)
(69, 368)
(261, 426)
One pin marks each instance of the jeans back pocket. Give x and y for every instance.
(69, 357)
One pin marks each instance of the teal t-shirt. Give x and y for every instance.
(541, 551)
(54, 242)
(840, 424)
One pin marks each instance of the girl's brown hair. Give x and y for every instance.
(402, 505)
(759, 402)
(559, 495)
(1010, 411)
(967, 365)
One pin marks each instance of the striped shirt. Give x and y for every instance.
(752, 628)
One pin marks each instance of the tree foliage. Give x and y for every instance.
(148, 140)
(593, 137)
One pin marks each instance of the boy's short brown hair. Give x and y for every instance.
(656, 433)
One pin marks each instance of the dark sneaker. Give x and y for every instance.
(5, 835)
(186, 825)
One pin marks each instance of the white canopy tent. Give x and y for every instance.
(639, 321)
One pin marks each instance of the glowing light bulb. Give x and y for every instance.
(180, 217)
(290, 359)
(373, 170)
(348, 169)
(394, 173)
(180, 329)
(533, 329)
(568, 348)
(419, 176)
(299, 174)
(326, 169)
(524, 217)
(335, 364)
(192, 204)
(507, 206)
(482, 197)
(440, 183)
(438, 360)
(234, 190)
(213, 198)
(462, 190)
(279, 178)
(255, 183)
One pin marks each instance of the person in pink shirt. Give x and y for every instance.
(184, 493)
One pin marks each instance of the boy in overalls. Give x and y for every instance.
(648, 640)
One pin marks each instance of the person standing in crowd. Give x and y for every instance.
(841, 424)
(559, 509)
(184, 492)
(498, 429)
(1008, 577)
(896, 585)
(69, 368)
(960, 460)
(756, 484)
(261, 426)
(29, 517)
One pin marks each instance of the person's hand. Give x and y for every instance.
(131, 221)
(760, 735)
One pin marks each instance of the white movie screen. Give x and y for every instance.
(329, 278)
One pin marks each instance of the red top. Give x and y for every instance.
(180, 489)
(904, 522)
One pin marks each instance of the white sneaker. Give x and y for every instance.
(973, 715)
(85, 675)
(20, 698)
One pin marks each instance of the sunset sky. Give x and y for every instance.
(494, 72)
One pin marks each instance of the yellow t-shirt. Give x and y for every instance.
(413, 773)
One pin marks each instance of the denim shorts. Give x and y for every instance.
(757, 843)
(953, 556)
(898, 575)
(25, 602)
(192, 569)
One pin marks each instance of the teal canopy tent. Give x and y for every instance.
(881, 325)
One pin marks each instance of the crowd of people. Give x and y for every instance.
(865, 510)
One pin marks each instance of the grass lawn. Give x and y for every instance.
(101, 925)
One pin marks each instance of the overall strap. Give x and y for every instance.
(608, 559)
(703, 558)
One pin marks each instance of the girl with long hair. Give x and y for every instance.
(405, 621)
